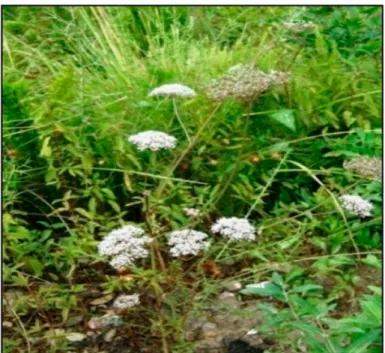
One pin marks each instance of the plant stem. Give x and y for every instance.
(180, 120)
(235, 169)
(162, 185)
(267, 185)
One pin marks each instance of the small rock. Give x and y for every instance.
(7, 324)
(108, 320)
(75, 336)
(110, 335)
(234, 287)
(251, 332)
(229, 299)
(226, 295)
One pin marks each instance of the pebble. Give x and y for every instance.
(7, 324)
(110, 335)
(234, 286)
(75, 337)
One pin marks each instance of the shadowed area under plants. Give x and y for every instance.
(192, 179)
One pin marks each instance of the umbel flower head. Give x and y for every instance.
(356, 205)
(299, 26)
(245, 83)
(124, 245)
(153, 140)
(234, 228)
(365, 166)
(126, 301)
(173, 90)
(187, 242)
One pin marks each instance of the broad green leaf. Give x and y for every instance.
(306, 288)
(360, 345)
(285, 117)
(269, 289)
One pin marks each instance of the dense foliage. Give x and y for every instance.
(75, 87)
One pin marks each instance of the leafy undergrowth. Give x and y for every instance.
(278, 153)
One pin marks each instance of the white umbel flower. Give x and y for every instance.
(153, 140)
(173, 90)
(187, 242)
(126, 301)
(234, 228)
(124, 245)
(357, 205)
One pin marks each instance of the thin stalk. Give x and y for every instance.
(180, 120)
(230, 178)
(341, 211)
(266, 186)
(162, 185)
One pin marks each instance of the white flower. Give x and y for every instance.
(173, 90)
(125, 245)
(357, 205)
(258, 285)
(187, 242)
(126, 301)
(153, 140)
(192, 212)
(234, 228)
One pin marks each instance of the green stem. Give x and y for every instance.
(180, 121)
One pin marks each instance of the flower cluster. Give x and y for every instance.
(192, 212)
(365, 166)
(153, 140)
(173, 90)
(233, 228)
(299, 26)
(357, 205)
(245, 83)
(187, 242)
(124, 245)
(126, 301)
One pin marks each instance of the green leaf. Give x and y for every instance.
(270, 289)
(289, 242)
(34, 265)
(306, 288)
(372, 260)
(278, 279)
(46, 150)
(285, 117)
(360, 345)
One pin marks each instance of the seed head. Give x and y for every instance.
(365, 166)
(245, 83)
(356, 205)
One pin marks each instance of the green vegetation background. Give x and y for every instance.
(75, 86)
